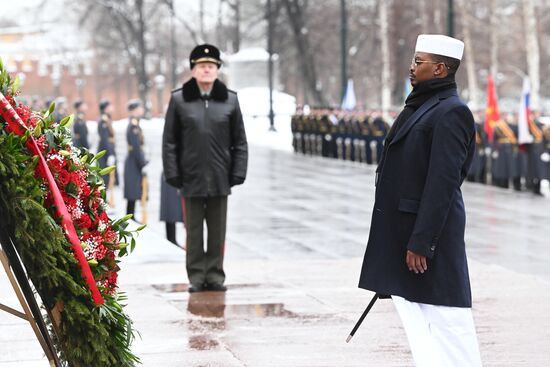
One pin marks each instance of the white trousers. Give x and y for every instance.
(439, 336)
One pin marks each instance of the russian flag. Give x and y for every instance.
(524, 115)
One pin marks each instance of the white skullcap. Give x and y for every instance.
(440, 45)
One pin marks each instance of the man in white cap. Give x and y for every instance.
(416, 250)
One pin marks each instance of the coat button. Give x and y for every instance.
(432, 248)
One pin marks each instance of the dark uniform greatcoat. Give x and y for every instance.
(107, 143)
(80, 132)
(419, 206)
(171, 209)
(135, 161)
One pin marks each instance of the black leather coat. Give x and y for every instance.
(204, 148)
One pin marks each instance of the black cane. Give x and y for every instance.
(360, 321)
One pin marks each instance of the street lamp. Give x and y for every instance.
(270, 64)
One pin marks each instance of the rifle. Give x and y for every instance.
(144, 197)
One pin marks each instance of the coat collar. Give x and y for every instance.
(191, 91)
(421, 111)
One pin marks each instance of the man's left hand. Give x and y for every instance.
(416, 263)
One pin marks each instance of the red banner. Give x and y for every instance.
(492, 114)
(16, 125)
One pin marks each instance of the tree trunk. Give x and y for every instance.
(143, 78)
(384, 38)
(307, 61)
(533, 53)
(201, 20)
(424, 19)
(237, 31)
(495, 27)
(473, 95)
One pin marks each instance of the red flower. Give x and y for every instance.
(84, 222)
(100, 252)
(41, 142)
(110, 235)
(64, 178)
(103, 217)
(56, 164)
(73, 176)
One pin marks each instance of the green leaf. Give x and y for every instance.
(107, 170)
(98, 156)
(67, 121)
(51, 109)
(15, 86)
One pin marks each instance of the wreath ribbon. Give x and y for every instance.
(16, 125)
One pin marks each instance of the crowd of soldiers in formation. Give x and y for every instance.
(359, 137)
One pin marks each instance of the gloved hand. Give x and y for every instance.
(174, 181)
(111, 161)
(236, 180)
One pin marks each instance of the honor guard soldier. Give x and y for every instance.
(135, 186)
(367, 138)
(379, 130)
(504, 141)
(477, 169)
(534, 150)
(294, 129)
(332, 134)
(545, 156)
(107, 143)
(60, 109)
(80, 130)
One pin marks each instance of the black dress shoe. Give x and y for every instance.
(215, 287)
(193, 288)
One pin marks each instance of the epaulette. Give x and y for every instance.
(176, 90)
(232, 91)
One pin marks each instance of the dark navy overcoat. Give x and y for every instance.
(135, 161)
(419, 206)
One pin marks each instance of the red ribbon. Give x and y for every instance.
(16, 125)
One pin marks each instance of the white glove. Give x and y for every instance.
(144, 171)
(110, 160)
(545, 157)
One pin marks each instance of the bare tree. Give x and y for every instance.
(236, 39)
(127, 21)
(384, 37)
(463, 6)
(533, 54)
(495, 26)
(295, 12)
(423, 19)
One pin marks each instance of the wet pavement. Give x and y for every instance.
(296, 236)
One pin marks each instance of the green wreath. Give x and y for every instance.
(85, 334)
